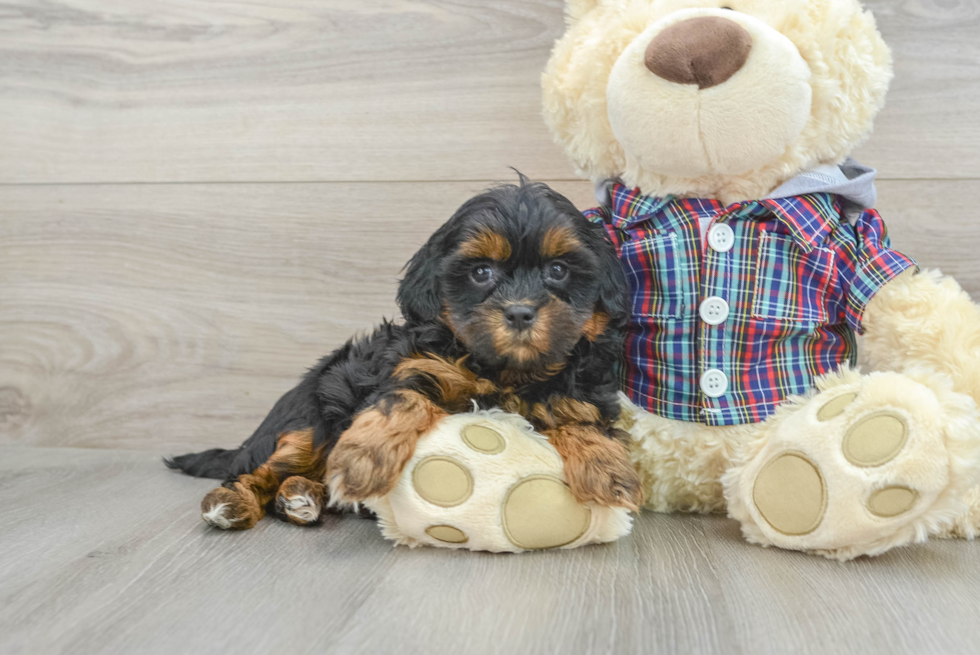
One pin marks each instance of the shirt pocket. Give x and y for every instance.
(792, 285)
(655, 272)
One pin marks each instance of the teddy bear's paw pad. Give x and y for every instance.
(442, 481)
(892, 501)
(483, 439)
(876, 439)
(447, 534)
(790, 494)
(836, 407)
(541, 512)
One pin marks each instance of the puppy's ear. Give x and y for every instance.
(419, 292)
(613, 289)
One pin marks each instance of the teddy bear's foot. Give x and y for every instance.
(871, 463)
(487, 481)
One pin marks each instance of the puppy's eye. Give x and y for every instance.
(482, 274)
(557, 271)
(728, 8)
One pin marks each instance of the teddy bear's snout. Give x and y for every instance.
(706, 51)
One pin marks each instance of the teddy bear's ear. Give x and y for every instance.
(575, 9)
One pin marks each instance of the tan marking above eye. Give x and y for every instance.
(486, 245)
(558, 241)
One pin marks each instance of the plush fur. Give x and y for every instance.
(806, 95)
(828, 50)
(518, 302)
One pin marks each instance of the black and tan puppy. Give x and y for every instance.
(516, 302)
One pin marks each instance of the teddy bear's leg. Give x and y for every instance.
(926, 322)
(869, 463)
(680, 463)
(486, 481)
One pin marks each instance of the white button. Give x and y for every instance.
(714, 383)
(721, 237)
(713, 310)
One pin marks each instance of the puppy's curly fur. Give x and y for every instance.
(516, 302)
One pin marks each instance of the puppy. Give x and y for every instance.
(516, 302)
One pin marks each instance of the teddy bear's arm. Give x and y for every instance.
(925, 321)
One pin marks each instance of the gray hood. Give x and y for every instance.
(852, 181)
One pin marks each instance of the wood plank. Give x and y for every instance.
(175, 315)
(144, 91)
(172, 317)
(104, 551)
(905, 601)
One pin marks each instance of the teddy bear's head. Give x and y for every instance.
(713, 98)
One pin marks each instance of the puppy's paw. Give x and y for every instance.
(358, 470)
(230, 510)
(300, 500)
(609, 480)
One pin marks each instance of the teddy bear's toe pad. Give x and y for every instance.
(790, 494)
(540, 512)
(876, 439)
(892, 501)
(447, 534)
(835, 407)
(442, 481)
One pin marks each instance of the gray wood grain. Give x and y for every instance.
(105, 552)
(173, 316)
(144, 91)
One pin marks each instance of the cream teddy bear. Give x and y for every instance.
(718, 135)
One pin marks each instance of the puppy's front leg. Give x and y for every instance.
(597, 464)
(597, 468)
(372, 453)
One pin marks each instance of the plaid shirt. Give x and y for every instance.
(794, 286)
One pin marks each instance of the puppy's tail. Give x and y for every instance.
(215, 463)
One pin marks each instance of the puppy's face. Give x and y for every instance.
(520, 277)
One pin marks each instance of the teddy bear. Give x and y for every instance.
(718, 135)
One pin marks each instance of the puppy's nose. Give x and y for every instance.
(520, 317)
(705, 51)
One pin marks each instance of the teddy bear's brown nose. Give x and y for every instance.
(705, 51)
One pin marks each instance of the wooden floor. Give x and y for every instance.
(104, 552)
(198, 199)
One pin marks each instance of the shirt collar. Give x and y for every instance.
(810, 218)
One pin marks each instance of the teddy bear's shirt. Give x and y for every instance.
(722, 331)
